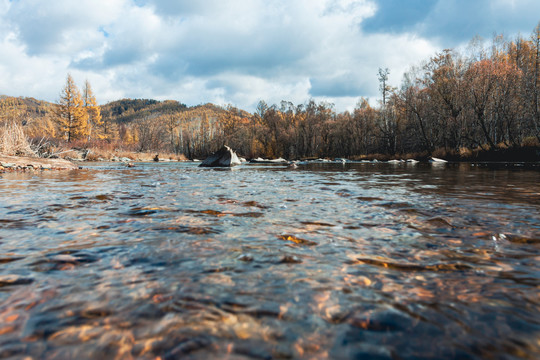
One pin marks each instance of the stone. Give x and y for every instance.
(225, 157)
(293, 165)
(268, 161)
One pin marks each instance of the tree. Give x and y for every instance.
(444, 80)
(94, 112)
(387, 126)
(71, 114)
(536, 88)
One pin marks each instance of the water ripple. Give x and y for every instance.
(349, 261)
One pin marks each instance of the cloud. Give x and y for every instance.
(452, 22)
(238, 51)
(62, 27)
(397, 16)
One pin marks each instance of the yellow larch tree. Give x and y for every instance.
(93, 110)
(71, 114)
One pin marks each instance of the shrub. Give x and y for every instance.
(13, 141)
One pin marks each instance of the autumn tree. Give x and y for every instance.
(535, 39)
(444, 80)
(415, 100)
(95, 122)
(387, 124)
(11, 110)
(71, 114)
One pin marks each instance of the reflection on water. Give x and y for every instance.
(264, 262)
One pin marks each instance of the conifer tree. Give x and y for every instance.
(94, 112)
(71, 114)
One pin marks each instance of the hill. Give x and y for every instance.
(128, 110)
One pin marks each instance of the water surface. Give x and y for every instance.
(264, 262)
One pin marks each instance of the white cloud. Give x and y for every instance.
(238, 52)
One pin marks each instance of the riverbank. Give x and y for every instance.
(96, 154)
(20, 163)
(528, 154)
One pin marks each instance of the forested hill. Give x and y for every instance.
(32, 107)
(120, 111)
(135, 124)
(128, 110)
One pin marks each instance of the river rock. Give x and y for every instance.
(225, 157)
(268, 161)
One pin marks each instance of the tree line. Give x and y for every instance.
(486, 97)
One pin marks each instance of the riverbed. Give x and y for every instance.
(338, 261)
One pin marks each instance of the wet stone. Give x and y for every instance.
(245, 258)
(13, 280)
(290, 259)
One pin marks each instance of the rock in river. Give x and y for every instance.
(225, 157)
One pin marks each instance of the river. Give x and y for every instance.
(338, 261)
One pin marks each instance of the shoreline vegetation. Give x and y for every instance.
(478, 105)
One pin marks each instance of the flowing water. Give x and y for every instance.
(351, 261)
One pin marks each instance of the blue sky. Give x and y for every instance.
(238, 51)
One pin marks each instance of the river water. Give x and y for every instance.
(353, 261)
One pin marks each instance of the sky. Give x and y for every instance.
(237, 52)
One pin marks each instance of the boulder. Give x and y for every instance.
(225, 157)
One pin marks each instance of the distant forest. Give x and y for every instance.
(455, 104)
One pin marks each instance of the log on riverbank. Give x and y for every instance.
(13, 163)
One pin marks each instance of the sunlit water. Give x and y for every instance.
(264, 262)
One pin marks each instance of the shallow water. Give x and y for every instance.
(263, 262)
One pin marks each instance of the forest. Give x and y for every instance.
(460, 104)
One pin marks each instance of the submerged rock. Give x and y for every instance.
(225, 157)
(292, 165)
(268, 161)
